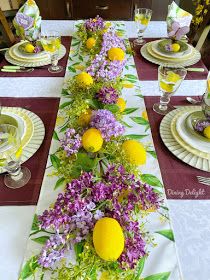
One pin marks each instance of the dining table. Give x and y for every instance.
(190, 216)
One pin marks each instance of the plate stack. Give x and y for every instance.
(156, 52)
(16, 55)
(179, 136)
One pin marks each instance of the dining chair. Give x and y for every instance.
(6, 31)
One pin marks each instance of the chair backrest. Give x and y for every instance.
(6, 30)
(7, 5)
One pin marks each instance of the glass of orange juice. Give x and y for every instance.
(142, 18)
(10, 157)
(51, 43)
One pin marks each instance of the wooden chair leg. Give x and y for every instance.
(10, 38)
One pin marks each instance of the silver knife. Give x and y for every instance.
(17, 70)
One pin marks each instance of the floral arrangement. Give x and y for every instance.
(99, 167)
(201, 9)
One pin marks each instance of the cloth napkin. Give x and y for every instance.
(27, 21)
(178, 22)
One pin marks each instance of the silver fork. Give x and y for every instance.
(203, 180)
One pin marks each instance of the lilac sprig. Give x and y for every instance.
(201, 125)
(107, 95)
(94, 24)
(72, 142)
(86, 200)
(105, 121)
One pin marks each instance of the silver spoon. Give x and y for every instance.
(192, 100)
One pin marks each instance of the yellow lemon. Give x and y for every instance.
(166, 87)
(139, 17)
(29, 48)
(121, 104)
(175, 47)
(116, 54)
(84, 118)
(144, 115)
(145, 21)
(108, 239)
(127, 84)
(206, 132)
(90, 43)
(92, 140)
(134, 151)
(84, 79)
(172, 77)
(208, 85)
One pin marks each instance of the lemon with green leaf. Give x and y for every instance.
(92, 140)
(84, 79)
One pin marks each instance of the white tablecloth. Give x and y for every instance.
(190, 219)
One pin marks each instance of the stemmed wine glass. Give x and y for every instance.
(169, 80)
(51, 43)
(142, 18)
(10, 157)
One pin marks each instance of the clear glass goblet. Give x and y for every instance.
(142, 18)
(169, 80)
(51, 43)
(10, 157)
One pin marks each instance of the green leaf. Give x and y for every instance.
(140, 120)
(41, 240)
(130, 76)
(125, 124)
(93, 103)
(59, 183)
(80, 58)
(159, 276)
(55, 135)
(64, 128)
(168, 233)
(139, 268)
(134, 136)
(65, 104)
(76, 43)
(29, 268)
(151, 180)
(84, 162)
(112, 108)
(35, 224)
(55, 161)
(71, 69)
(78, 248)
(64, 92)
(139, 95)
(129, 111)
(152, 153)
(126, 67)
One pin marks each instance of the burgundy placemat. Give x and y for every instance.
(178, 177)
(42, 71)
(148, 71)
(46, 109)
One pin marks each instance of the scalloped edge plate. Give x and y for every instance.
(31, 128)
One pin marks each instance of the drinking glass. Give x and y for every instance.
(142, 18)
(169, 80)
(10, 157)
(51, 42)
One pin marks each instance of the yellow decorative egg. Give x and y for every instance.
(108, 239)
(90, 43)
(175, 47)
(84, 118)
(92, 140)
(84, 79)
(206, 132)
(121, 104)
(116, 54)
(29, 48)
(134, 151)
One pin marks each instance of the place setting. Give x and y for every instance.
(35, 49)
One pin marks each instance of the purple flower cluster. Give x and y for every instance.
(72, 142)
(76, 211)
(105, 121)
(100, 67)
(94, 24)
(201, 125)
(107, 95)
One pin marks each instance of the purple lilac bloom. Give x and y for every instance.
(94, 24)
(107, 95)
(168, 48)
(72, 142)
(201, 125)
(24, 21)
(105, 121)
(37, 49)
(101, 68)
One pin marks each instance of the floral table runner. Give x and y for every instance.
(102, 212)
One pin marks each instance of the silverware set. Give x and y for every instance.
(15, 69)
